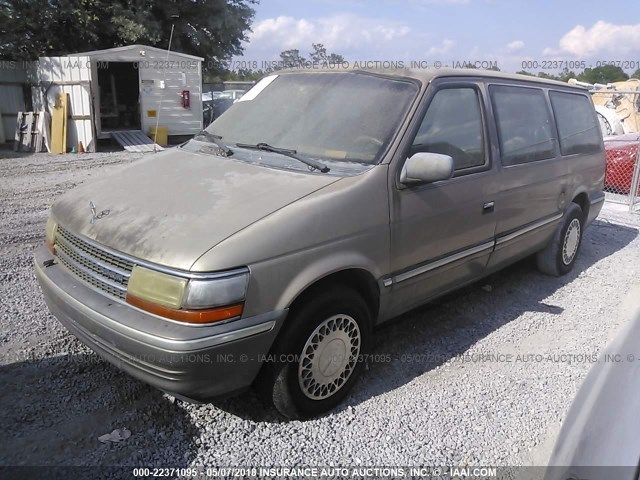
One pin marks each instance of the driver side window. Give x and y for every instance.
(453, 126)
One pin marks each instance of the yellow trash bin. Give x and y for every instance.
(161, 137)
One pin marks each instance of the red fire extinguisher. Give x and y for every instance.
(185, 99)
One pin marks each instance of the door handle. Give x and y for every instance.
(488, 207)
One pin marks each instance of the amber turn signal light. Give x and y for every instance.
(203, 316)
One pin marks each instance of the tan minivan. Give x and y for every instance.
(265, 250)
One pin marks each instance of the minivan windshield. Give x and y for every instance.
(347, 116)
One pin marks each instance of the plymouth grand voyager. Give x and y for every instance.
(263, 252)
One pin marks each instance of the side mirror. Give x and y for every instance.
(425, 167)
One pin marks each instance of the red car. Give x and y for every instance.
(622, 156)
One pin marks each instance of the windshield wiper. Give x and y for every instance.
(217, 140)
(287, 153)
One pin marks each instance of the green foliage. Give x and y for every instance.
(242, 74)
(566, 74)
(288, 59)
(636, 74)
(604, 74)
(292, 58)
(320, 56)
(213, 29)
(319, 52)
(128, 30)
(548, 76)
(317, 57)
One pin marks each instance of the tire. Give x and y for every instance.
(331, 330)
(605, 126)
(559, 256)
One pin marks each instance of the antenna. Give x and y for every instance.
(155, 141)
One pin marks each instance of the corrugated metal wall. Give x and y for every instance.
(167, 101)
(70, 75)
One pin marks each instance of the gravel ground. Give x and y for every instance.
(437, 402)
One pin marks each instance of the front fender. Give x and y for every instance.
(322, 268)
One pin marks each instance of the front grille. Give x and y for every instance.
(94, 265)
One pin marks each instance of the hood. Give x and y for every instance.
(172, 207)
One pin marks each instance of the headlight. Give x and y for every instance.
(50, 234)
(156, 287)
(192, 300)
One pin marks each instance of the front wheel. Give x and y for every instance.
(319, 357)
(559, 256)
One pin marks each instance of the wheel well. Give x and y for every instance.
(360, 280)
(582, 200)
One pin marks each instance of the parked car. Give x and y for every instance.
(215, 104)
(599, 436)
(232, 94)
(622, 158)
(214, 108)
(264, 251)
(208, 96)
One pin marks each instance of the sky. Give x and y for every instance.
(425, 31)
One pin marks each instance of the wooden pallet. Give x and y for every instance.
(32, 132)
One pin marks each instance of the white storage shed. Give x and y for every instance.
(133, 85)
(122, 89)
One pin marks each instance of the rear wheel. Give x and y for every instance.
(559, 256)
(605, 126)
(318, 358)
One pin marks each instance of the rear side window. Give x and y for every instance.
(453, 126)
(524, 124)
(577, 123)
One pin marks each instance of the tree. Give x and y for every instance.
(241, 74)
(604, 74)
(547, 76)
(565, 75)
(319, 55)
(335, 58)
(292, 58)
(636, 74)
(213, 29)
(524, 72)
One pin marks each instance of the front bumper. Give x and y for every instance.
(192, 362)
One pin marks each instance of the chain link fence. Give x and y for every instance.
(618, 110)
(622, 175)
